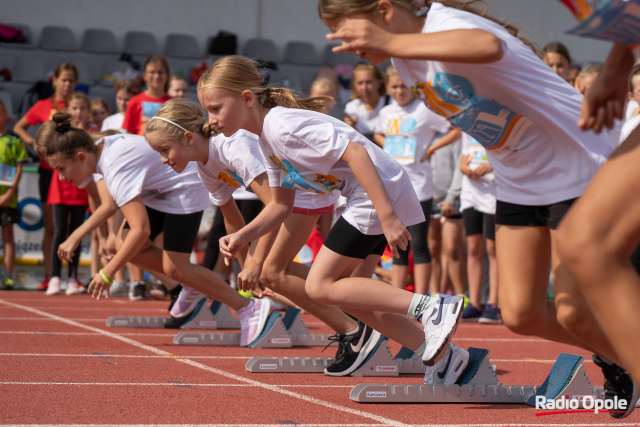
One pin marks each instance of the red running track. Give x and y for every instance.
(60, 365)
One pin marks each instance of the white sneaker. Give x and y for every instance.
(186, 302)
(119, 289)
(253, 318)
(54, 286)
(440, 322)
(73, 288)
(449, 368)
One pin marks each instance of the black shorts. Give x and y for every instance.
(476, 222)
(532, 216)
(9, 216)
(345, 239)
(180, 230)
(44, 182)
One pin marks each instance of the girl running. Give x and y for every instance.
(307, 150)
(153, 199)
(541, 162)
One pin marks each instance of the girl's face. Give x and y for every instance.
(176, 154)
(98, 114)
(178, 88)
(75, 170)
(558, 64)
(65, 83)
(399, 91)
(366, 85)
(79, 112)
(122, 99)
(635, 91)
(227, 111)
(156, 75)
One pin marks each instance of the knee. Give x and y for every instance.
(174, 271)
(571, 319)
(522, 321)
(580, 247)
(316, 290)
(475, 250)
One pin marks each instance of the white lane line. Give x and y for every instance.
(169, 383)
(323, 425)
(189, 362)
(40, 319)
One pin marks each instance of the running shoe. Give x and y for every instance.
(137, 291)
(440, 321)
(252, 320)
(174, 294)
(73, 287)
(158, 291)
(490, 314)
(617, 382)
(54, 286)
(7, 283)
(119, 289)
(471, 313)
(353, 350)
(43, 286)
(186, 302)
(447, 370)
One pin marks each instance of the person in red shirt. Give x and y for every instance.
(64, 81)
(143, 106)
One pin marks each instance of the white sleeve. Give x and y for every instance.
(316, 145)
(244, 157)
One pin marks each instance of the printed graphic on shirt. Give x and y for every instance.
(291, 179)
(491, 124)
(149, 109)
(477, 153)
(231, 178)
(397, 144)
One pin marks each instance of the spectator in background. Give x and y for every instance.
(178, 87)
(100, 110)
(12, 154)
(367, 98)
(64, 81)
(556, 56)
(125, 90)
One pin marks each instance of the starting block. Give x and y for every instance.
(279, 332)
(479, 384)
(217, 316)
(380, 363)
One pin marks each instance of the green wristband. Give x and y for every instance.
(105, 278)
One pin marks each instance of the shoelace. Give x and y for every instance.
(342, 347)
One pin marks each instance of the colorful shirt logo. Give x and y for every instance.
(291, 179)
(231, 178)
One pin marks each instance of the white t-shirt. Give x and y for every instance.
(633, 109)
(113, 122)
(409, 131)
(517, 106)
(235, 162)
(131, 168)
(302, 151)
(479, 194)
(366, 119)
(628, 127)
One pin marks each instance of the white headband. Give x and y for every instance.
(168, 121)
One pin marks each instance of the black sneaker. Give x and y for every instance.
(175, 322)
(352, 350)
(138, 291)
(617, 382)
(174, 294)
(158, 291)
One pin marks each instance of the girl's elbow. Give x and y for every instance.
(494, 50)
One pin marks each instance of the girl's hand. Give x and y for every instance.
(397, 235)
(98, 287)
(249, 277)
(67, 249)
(483, 169)
(448, 209)
(361, 37)
(230, 245)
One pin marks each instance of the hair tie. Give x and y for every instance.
(168, 121)
(63, 128)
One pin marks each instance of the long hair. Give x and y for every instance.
(238, 73)
(183, 112)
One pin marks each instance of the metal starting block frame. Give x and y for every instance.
(479, 384)
(217, 316)
(380, 363)
(279, 332)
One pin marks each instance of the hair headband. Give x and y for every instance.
(168, 121)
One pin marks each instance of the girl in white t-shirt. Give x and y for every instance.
(367, 98)
(491, 85)
(307, 150)
(478, 205)
(405, 129)
(180, 134)
(153, 200)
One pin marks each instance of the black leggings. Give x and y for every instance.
(419, 242)
(249, 210)
(65, 220)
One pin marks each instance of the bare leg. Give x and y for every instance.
(47, 238)
(435, 246)
(493, 271)
(475, 250)
(452, 254)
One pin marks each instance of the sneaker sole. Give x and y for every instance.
(631, 406)
(446, 340)
(370, 345)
